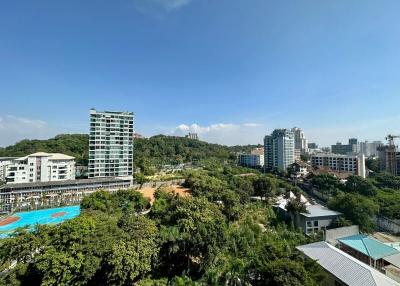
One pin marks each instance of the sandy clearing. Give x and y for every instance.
(176, 189)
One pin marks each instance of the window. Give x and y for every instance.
(316, 223)
(309, 224)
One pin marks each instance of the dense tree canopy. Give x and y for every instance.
(76, 145)
(357, 208)
(216, 236)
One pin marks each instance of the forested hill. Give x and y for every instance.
(244, 148)
(162, 149)
(71, 144)
(156, 150)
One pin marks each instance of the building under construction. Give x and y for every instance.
(389, 156)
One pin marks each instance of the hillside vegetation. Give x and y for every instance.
(154, 151)
(70, 144)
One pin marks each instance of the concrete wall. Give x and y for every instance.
(392, 226)
(331, 235)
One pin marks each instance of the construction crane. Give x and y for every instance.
(391, 138)
(391, 162)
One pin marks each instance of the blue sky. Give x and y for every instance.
(231, 70)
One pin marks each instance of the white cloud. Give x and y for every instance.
(13, 129)
(158, 8)
(224, 133)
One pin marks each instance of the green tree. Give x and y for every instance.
(191, 234)
(356, 184)
(372, 164)
(283, 272)
(129, 261)
(97, 201)
(356, 208)
(265, 187)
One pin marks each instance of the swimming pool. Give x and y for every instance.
(46, 216)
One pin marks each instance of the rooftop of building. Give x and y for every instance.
(344, 267)
(368, 246)
(319, 211)
(393, 259)
(331, 155)
(282, 201)
(52, 156)
(94, 111)
(7, 158)
(12, 187)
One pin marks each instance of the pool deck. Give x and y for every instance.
(31, 218)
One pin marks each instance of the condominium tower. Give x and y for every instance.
(300, 141)
(110, 144)
(279, 149)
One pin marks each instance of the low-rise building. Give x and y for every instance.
(4, 162)
(49, 194)
(343, 268)
(318, 218)
(251, 160)
(354, 164)
(300, 169)
(41, 167)
(367, 250)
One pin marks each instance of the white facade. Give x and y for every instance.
(251, 160)
(4, 162)
(41, 167)
(110, 144)
(370, 149)
(341, 163)
(300, 141)
(279, 149)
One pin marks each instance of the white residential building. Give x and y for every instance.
(110, 144)
(279, 149)
(4, 162)
(300, 141)
(370, 149)
(341, 163)
(251, 160)
(41, 167)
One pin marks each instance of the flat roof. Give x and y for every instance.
(344, 267)
(333, 155)
(11, 187)
(7, 158)
(393, 259)
(369, 246)
(319, 211)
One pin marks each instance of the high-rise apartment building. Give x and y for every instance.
(300, 141)
(279, 149)
(110, 144)
(370, 149)
(347, 149)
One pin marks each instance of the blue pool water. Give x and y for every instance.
(31, 218)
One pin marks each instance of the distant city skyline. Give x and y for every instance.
(230, 71)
